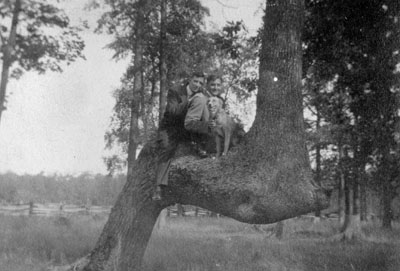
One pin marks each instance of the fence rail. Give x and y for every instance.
(52, 209)
(70, 209)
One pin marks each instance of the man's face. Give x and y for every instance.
(196, 83)
(215, 87)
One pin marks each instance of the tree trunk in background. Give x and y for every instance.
(362, 188)
(318, 158)
(356, 186)
(136, 92)
(387, 195)
(143, 105)
(264, 180)
(363, 200)
(387, 208)
(352, 223)
(347, 202)
(7, 49)
(363, 183)
(387, 189)
(341, 182)
(163, 62)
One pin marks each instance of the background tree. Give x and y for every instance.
(230, 52)
(174, 46)
(34, 35)
(163, 61)
(354, 45)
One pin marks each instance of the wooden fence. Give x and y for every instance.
(54, 209)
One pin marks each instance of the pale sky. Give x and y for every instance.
(55, 123)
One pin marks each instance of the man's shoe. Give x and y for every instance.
(157, 194)
(199, 150)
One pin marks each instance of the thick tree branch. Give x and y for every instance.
(250, 195)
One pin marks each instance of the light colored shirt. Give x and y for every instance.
(197, 117)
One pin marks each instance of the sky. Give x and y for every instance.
(55, 123)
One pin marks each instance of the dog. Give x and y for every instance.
(225, 125)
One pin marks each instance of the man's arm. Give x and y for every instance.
(196, 119)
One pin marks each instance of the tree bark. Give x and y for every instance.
(318, 157)
(8, 50)
(137, 90)
(356, 186)
(341, 184)
(347, 202)
(163, 63)
(143, 111)
(352, 225)
(265, 180)
(363, 188)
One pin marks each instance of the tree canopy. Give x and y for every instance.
(351, 61)
(35, 36)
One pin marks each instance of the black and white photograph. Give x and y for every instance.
(199, 135)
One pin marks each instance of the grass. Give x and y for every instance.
(58, 239)
(228, 245)
(197, 244)
(22, 263)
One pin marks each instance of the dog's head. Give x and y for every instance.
(214, 105)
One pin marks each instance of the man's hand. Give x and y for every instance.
(212, 124)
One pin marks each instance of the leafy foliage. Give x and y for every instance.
(45, 39)
(350, 59)
(186, 47)
(97, 189)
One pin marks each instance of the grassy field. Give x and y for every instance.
(197, 244)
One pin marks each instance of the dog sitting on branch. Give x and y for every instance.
(225, 125)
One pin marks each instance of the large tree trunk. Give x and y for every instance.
(7, 48)
(266, 179)
(163, 63)
(136, 91)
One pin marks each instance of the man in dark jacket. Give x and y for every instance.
(185, 116)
